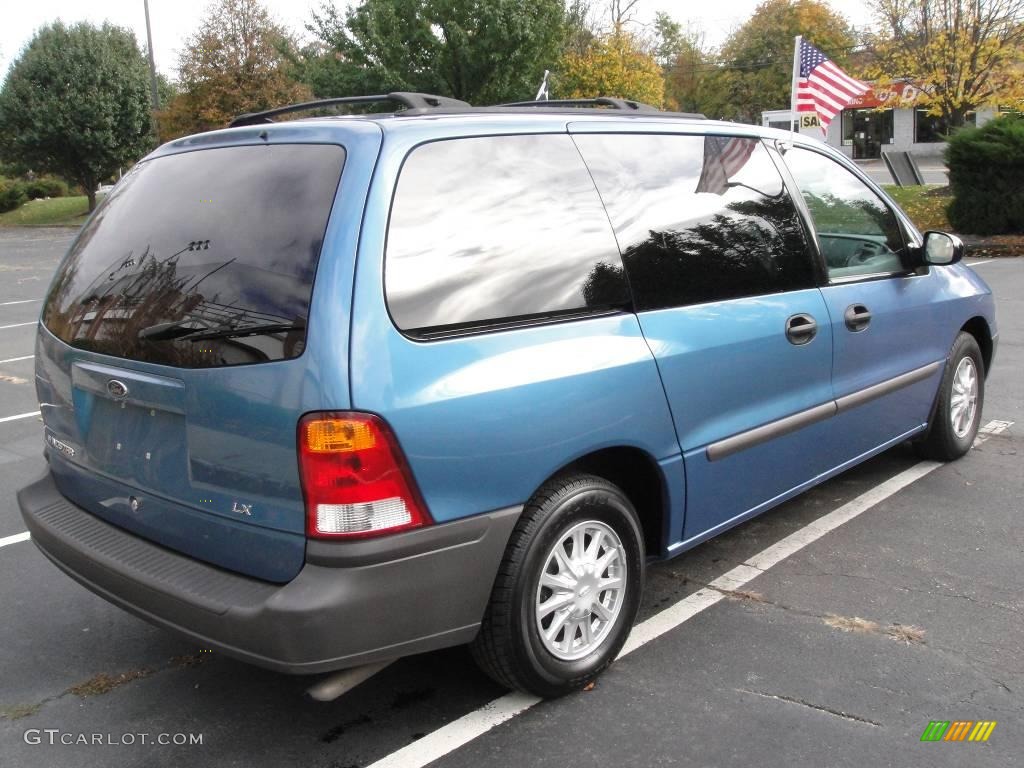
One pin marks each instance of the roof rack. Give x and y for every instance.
(627, 105)
(407, 99)
(600, 101)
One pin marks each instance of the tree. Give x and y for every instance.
(961, 54)
(622, 12)
(234, 63)
(756, 63)
(686, 80)
(580, 28)
(681, 56)
(76, 103)
(614, 65)
(166, 90)
(669, 40)
(481, 51)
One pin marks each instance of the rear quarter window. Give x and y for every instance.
(201, 259)
(492, 230)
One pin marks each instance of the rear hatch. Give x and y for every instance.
(170, 365)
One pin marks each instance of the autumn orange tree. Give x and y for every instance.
(961, 54)
(232, 64)
(615, 64)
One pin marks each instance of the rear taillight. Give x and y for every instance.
(355, 479)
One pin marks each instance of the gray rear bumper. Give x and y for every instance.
(352, 603)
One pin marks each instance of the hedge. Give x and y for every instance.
(47, 186)
(986, 175)
(12, 194)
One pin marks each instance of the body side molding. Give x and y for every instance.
(748, 439)
(764, 433)
(875, 391)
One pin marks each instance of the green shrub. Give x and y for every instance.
(46, 186)
(986, 168)
(12, 195)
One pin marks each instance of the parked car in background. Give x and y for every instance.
(327, 392)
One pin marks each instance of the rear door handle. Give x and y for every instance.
(800, 329)
(857, 317)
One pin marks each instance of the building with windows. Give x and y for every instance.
(879, 121)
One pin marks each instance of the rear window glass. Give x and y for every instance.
(201, 259)
(497, 230)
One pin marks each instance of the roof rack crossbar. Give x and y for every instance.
(407, 99)
(600, 101)
(628, 105)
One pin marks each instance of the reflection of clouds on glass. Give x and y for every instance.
(490, 228)
(655, 178)
(759, 173)
(815, 176)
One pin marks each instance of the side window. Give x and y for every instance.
(698, 219)
(493, 229)
(859, 234)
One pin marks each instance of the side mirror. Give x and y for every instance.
(940, 249)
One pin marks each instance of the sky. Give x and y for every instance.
(173, 20)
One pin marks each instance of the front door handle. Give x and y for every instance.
(857, 317)
(800, 329)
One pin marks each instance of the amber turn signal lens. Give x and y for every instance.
(339, 436)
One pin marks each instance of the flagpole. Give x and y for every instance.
(542, 92)
(796, 79)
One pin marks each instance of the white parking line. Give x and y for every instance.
(17, 325)
(450, 737)
(16, 359)
(20, 301)
(19, 416)
(14, 539)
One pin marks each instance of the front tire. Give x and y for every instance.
(957, 414)
(567, 591)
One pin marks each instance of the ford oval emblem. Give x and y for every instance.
(117, 389)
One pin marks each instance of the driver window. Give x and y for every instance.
(858, 233)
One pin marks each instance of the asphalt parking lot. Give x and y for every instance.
(835, 645)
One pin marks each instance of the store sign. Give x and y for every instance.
(895, 95)
(899, 94)
(810, 121)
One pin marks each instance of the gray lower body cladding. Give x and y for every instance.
(353, 602)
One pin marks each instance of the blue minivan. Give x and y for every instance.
(324, 392)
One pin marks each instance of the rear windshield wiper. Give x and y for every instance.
(243, 330)
(186, 332)
(164, 331)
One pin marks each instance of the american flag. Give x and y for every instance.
(822, 86)
(724, 156)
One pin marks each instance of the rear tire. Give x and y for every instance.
(957, 413)
(567, 591)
